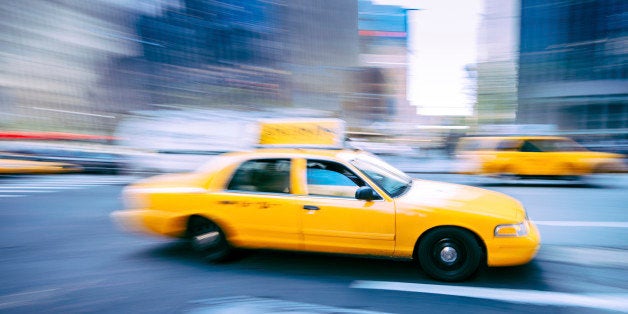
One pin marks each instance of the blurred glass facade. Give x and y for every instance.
(380, 93)
(54, 60)
(573, 67)
(497, 63)
(83, 66)
(86, 66)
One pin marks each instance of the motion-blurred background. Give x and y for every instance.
(182, 76)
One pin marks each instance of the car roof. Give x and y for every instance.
(299, 152)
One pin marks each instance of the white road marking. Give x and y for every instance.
(254, 305)
(25, 187)
(3, 190)
(600, 224)
(57, 183)
(587, 256)
(19, 299)
(610, 301)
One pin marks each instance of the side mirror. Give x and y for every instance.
(366, 193)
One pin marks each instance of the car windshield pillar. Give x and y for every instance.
(393, 181)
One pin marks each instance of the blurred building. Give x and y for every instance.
(52, 58)
(380, 93)
(246, 55)
(321, 49)
(202, 53)
(573, 66)
(497, 63)
(85, 65)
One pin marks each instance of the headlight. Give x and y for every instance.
(512, 230)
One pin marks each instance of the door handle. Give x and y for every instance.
(310, 207)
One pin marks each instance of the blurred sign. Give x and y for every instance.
(302, 132)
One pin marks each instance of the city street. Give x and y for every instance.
(60, 253)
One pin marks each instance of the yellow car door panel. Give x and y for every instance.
(335, 221)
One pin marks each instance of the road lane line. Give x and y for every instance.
(247, 304)
(600, 224)
(24, 298)
(25, 191)
(37, 187)
(613, 302)
(587, 256)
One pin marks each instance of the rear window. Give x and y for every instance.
(508, 145)
(475, 144)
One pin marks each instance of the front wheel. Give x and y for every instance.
(449, 254)
(208, 239)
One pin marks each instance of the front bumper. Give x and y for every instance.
(515, 250)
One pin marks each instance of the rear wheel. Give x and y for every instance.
(449, 254)
(208, 239)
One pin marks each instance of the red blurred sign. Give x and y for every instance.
(382, 34)
(17, 135)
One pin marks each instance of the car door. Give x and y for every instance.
(262, 211)
(335, 221)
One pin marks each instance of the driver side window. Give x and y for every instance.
(326, 178)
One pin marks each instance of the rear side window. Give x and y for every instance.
(508, 145)
(477, 144)
(262, 175)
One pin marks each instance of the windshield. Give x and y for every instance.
(387, 177)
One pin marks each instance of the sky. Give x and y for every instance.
(442, 43)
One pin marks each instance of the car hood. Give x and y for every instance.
(426, 194)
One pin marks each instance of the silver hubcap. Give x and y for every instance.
(448, 255)
(206, 240)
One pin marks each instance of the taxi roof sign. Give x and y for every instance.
(319, 133)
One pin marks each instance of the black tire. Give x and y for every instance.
(449, 254)
(208, 239)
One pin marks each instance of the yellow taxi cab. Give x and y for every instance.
(335, 201)
(533, 156)
(16, 166)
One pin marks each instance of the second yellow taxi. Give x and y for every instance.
(533, 157)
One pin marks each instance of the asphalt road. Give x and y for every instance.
(60, 253)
